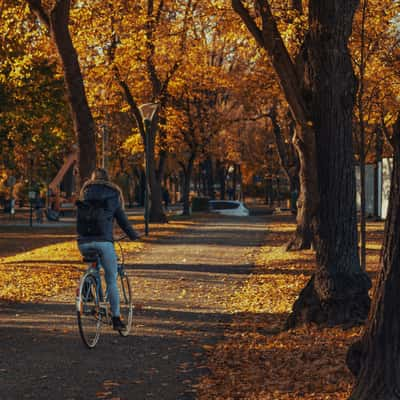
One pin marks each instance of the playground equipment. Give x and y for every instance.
(62, 187)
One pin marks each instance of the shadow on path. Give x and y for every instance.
(180, 285)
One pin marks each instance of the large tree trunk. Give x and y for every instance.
(322, 102)
(338, 291)
(375, 359)
(57, 20)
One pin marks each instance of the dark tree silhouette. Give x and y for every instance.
(375, 359)
(320, 90)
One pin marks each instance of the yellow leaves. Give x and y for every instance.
(134, 144)
(45, 271)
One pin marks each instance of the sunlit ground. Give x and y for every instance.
(258, 360)
(40, 262)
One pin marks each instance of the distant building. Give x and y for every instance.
(377, 187)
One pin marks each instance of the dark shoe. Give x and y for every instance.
(118, 325)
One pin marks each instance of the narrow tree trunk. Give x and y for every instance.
(186, 185)
(307, 204)
(57, 22)
(221, 177)
(141, 187)
(156, 213)
(209, 178)
(234, 181)
(378, 160)
(375, 359)
(338, 291)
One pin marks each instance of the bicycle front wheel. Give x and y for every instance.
(88, 311)
(125, 295)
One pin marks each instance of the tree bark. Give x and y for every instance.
(307, 206)
(304, 184)
(156, 177)
(56, 20)
(375, 359)
(338, 291)
(378, 160)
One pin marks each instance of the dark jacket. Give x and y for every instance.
(112, 197)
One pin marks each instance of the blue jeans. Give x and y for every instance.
(110, 264)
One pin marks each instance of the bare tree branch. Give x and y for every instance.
(249, 21)
(38, 9)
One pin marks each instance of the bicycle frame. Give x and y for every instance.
(99, 309)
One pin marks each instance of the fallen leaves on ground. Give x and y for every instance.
(43, 272)
(258, 359)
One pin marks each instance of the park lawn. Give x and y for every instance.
(258, 359)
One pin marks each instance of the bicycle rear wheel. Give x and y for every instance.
(125, 295)
(88, 311)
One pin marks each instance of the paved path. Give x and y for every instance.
(181, 286)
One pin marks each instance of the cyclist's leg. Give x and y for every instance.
(110, 265)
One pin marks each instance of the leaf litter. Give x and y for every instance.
(31, 276)
(258, 359)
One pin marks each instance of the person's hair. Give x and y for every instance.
(100, 174)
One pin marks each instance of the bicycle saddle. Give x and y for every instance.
(91, 255)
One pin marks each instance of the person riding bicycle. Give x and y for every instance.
(107, 199)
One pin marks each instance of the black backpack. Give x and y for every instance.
(91, 217)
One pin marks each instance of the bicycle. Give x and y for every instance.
(92, 304)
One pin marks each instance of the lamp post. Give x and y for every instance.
(148, 112)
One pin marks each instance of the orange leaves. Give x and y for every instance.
(258, 359)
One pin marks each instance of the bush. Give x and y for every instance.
(200, 204)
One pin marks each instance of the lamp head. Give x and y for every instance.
(148, 111)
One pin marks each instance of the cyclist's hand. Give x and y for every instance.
(136, 237)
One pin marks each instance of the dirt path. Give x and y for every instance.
(181, 286)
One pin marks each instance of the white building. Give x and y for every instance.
(382, 189)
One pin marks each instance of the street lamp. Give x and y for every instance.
(148, 112)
